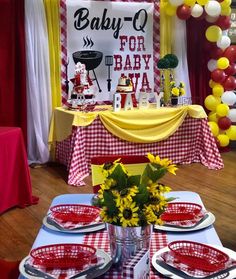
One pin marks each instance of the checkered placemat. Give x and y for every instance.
(192, 142)
(100, 240)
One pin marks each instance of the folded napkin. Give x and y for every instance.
(187, 223)
(69, 225)
(69, 272)
(170, 259)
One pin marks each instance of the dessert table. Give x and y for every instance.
(181, 134)
(99, 239)
(15, 182)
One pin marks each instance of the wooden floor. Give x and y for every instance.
(19, 227)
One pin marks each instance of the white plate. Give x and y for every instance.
(207, 222)
(171, 275)
(85, 230)
(97, 272)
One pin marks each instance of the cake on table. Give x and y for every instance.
(124, 87)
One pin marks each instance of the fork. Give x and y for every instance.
(29, 269)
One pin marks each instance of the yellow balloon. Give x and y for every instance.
(231, 132)
(223, 140)
(222, 110)
(211, 102)
(214, 128)
(170, 10)
(212, 83)
(225, 11)
(212, 117)
(213, 33)
(218, 90)
(225, 3)
(202, 2)
(223, 63)
(189, 2)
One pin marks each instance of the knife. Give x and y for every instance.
(225, 272)
(87, 271)
(173, 270)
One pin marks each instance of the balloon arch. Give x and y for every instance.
(222, 115)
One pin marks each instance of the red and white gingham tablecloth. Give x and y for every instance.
(100, 240)
(193, 142)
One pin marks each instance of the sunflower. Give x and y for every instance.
(158, 187)
(109, 167)
(154, 159)
(152, 214)
(107, 217)
(167, 164)
(126, 195)
(128, 215)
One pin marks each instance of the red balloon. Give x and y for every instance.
(229, 83)
(224, 123)
(183, 12)
(223, 22)
(230, 53)
(218, 75)
(231, 70)
(216, 53)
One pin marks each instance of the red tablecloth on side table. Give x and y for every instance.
(15, 182)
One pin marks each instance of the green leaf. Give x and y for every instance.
(147, 174)
(159, 174)
(142, 196)
(133, 180)
(109, 202)
(120, 177)
(171, 199)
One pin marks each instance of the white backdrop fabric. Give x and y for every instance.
(38, 81)
(180, 50)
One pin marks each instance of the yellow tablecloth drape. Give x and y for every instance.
(144, 126)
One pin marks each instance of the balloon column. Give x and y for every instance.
(221, 64)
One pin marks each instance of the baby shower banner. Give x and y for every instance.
(111, 39)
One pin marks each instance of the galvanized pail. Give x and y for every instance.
(127, 242)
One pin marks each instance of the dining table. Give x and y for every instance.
(99, 239)
(181, 134)
(15, 180)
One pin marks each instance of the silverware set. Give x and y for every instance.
(29, 269)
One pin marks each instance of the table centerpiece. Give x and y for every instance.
(131, 204)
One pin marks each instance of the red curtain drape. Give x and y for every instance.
(13, 109)
(198, 55)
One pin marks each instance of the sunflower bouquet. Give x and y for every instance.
(134, 200)
(177, 91)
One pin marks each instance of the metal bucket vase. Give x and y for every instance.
(127, 242)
